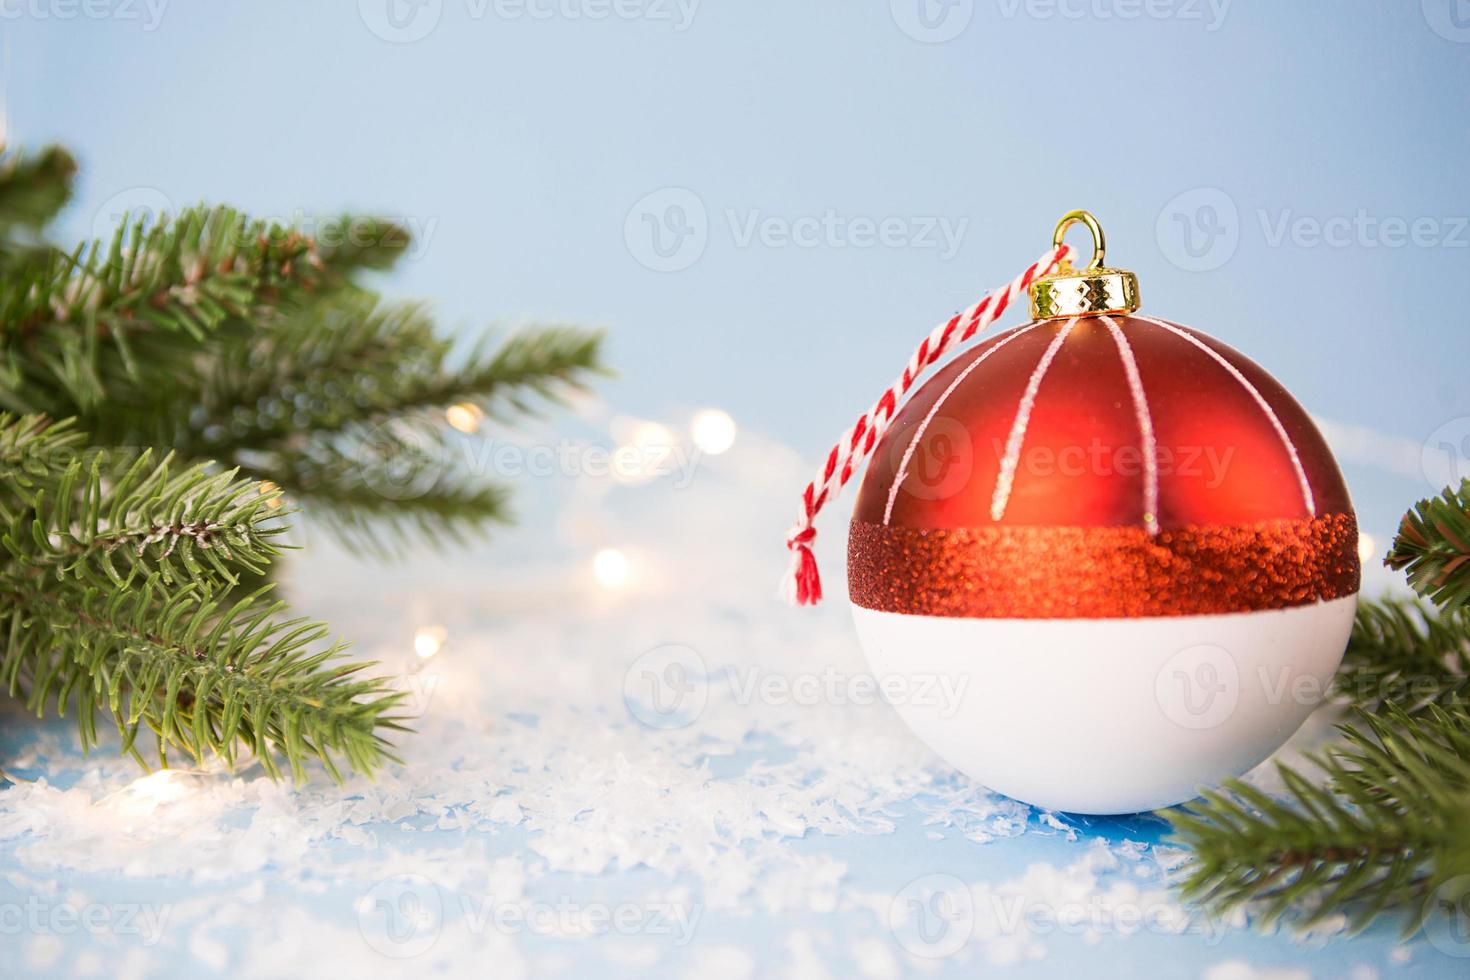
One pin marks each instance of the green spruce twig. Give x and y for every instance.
(1433, 547)
(212, 366)
(116, 596)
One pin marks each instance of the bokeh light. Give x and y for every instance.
(611, 568)
(466, 417)
(1367, 548)
(429, 640)
(712, 430)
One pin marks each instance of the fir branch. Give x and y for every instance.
(351, 242)
(78, 327)
(115, 579)
(381, 493)
(248, 357)
(354, 364)
(100, 519)
(342, 406)
(33, 188)
(1385, 821)
(1382, 825)
(186, 273)
(203, 676)
(1433, 547)
(1407, 656)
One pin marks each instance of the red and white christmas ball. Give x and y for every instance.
(1121, 545)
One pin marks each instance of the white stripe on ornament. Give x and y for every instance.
(1296, 462)
(1145, 427)
(1012, 457)
(908, 452)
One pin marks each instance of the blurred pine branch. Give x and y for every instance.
(163, 392)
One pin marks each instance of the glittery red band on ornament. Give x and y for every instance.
(1026, 572)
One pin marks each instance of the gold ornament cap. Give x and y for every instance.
(1091, 291)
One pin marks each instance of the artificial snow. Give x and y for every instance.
(543, 814)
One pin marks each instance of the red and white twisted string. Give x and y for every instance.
(803, 584)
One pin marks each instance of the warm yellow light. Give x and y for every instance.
(267, 487)
(643, 450)
(429, 640)
(611, 568)
(652, 437)
(465, 417)
(1367, 548)
(155, 788)
(712, 430)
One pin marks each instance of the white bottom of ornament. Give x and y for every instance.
(1107, 715)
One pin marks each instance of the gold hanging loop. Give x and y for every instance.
(1099, 243)
(1093, 291)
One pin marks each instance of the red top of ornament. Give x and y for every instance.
(1101, 466)
(1116, 420)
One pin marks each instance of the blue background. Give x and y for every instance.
(525, 146)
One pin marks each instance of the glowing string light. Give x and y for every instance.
(713, 431)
